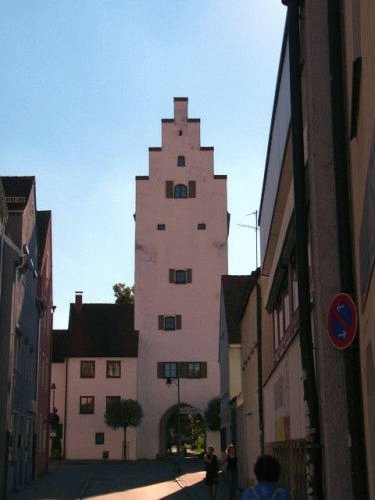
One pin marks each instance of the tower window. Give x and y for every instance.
(170, 322)
(181, 161)
(180, 276)
(180, 191)
(201, 226)
(180, 132)
(161, 227)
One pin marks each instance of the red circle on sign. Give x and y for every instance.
(342, 321)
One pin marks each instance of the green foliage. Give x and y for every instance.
(212, 415)
(123, 413)
(124, 294)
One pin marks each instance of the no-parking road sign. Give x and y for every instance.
(342, 321)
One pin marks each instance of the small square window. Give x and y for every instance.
(113, 369)
(86, 404)
(87, 369)
(99, 438)
(161, 227)
(180, 276)
(109, 400)
(201, 226)
(170, 323)
(181, 161)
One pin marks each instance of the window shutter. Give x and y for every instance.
(189, 275)
(191, 189)
(183, 369)
(178, 321)
(204, 369)
(160, 370)
(161, 322)
(169, 189)
(171, 276)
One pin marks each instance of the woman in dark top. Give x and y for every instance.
(212, 471)
(230, 461)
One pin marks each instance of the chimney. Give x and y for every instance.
(78, 303)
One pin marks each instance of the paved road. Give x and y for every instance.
(141, 480)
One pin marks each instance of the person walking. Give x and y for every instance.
(267, 471)
(212, 471)
(230, 466)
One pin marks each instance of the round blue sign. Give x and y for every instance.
(342, 321)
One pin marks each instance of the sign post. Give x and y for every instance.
(342, 321)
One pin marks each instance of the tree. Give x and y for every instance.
(123, 413)
(212, 415)
(124, 294)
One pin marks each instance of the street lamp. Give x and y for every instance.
(176, 380)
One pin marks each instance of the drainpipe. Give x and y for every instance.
(345, 242)
(313, 448)
(260, 369)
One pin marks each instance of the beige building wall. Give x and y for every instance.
(235, 379)
(79, 430)
(180, 246)
(360, 46)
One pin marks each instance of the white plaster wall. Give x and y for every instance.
(180, 246)
(293, 405)
(81, 429)
(235, 370)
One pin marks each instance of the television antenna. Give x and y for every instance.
(256, 228)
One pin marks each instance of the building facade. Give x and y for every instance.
(232, 288)
(94, 362)
(19, 334)
(45, 310)
(180, 255)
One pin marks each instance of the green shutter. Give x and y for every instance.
(161, 322)
(178, 322)
(203, 369)
(191, 189)
(171, 276)
(169, 189)
(189, 275)
(160, 370)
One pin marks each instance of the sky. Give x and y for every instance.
(84, 86)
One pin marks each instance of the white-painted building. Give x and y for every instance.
(94, 361)
(181, 253)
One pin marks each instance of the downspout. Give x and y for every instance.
(313, 448)
(260, 369)
(345, 242)
(65, 406)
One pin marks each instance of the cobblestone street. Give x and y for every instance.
(139, 480)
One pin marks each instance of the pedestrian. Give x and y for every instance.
(230, 466)
(267, 472)
(212, 471)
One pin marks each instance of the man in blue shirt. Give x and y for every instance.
(267, 472)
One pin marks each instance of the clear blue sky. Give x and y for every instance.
(84, 86)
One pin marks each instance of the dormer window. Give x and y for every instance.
(181, 161)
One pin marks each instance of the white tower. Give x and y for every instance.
(180, 255)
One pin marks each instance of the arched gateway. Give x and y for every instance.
(188, 432)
